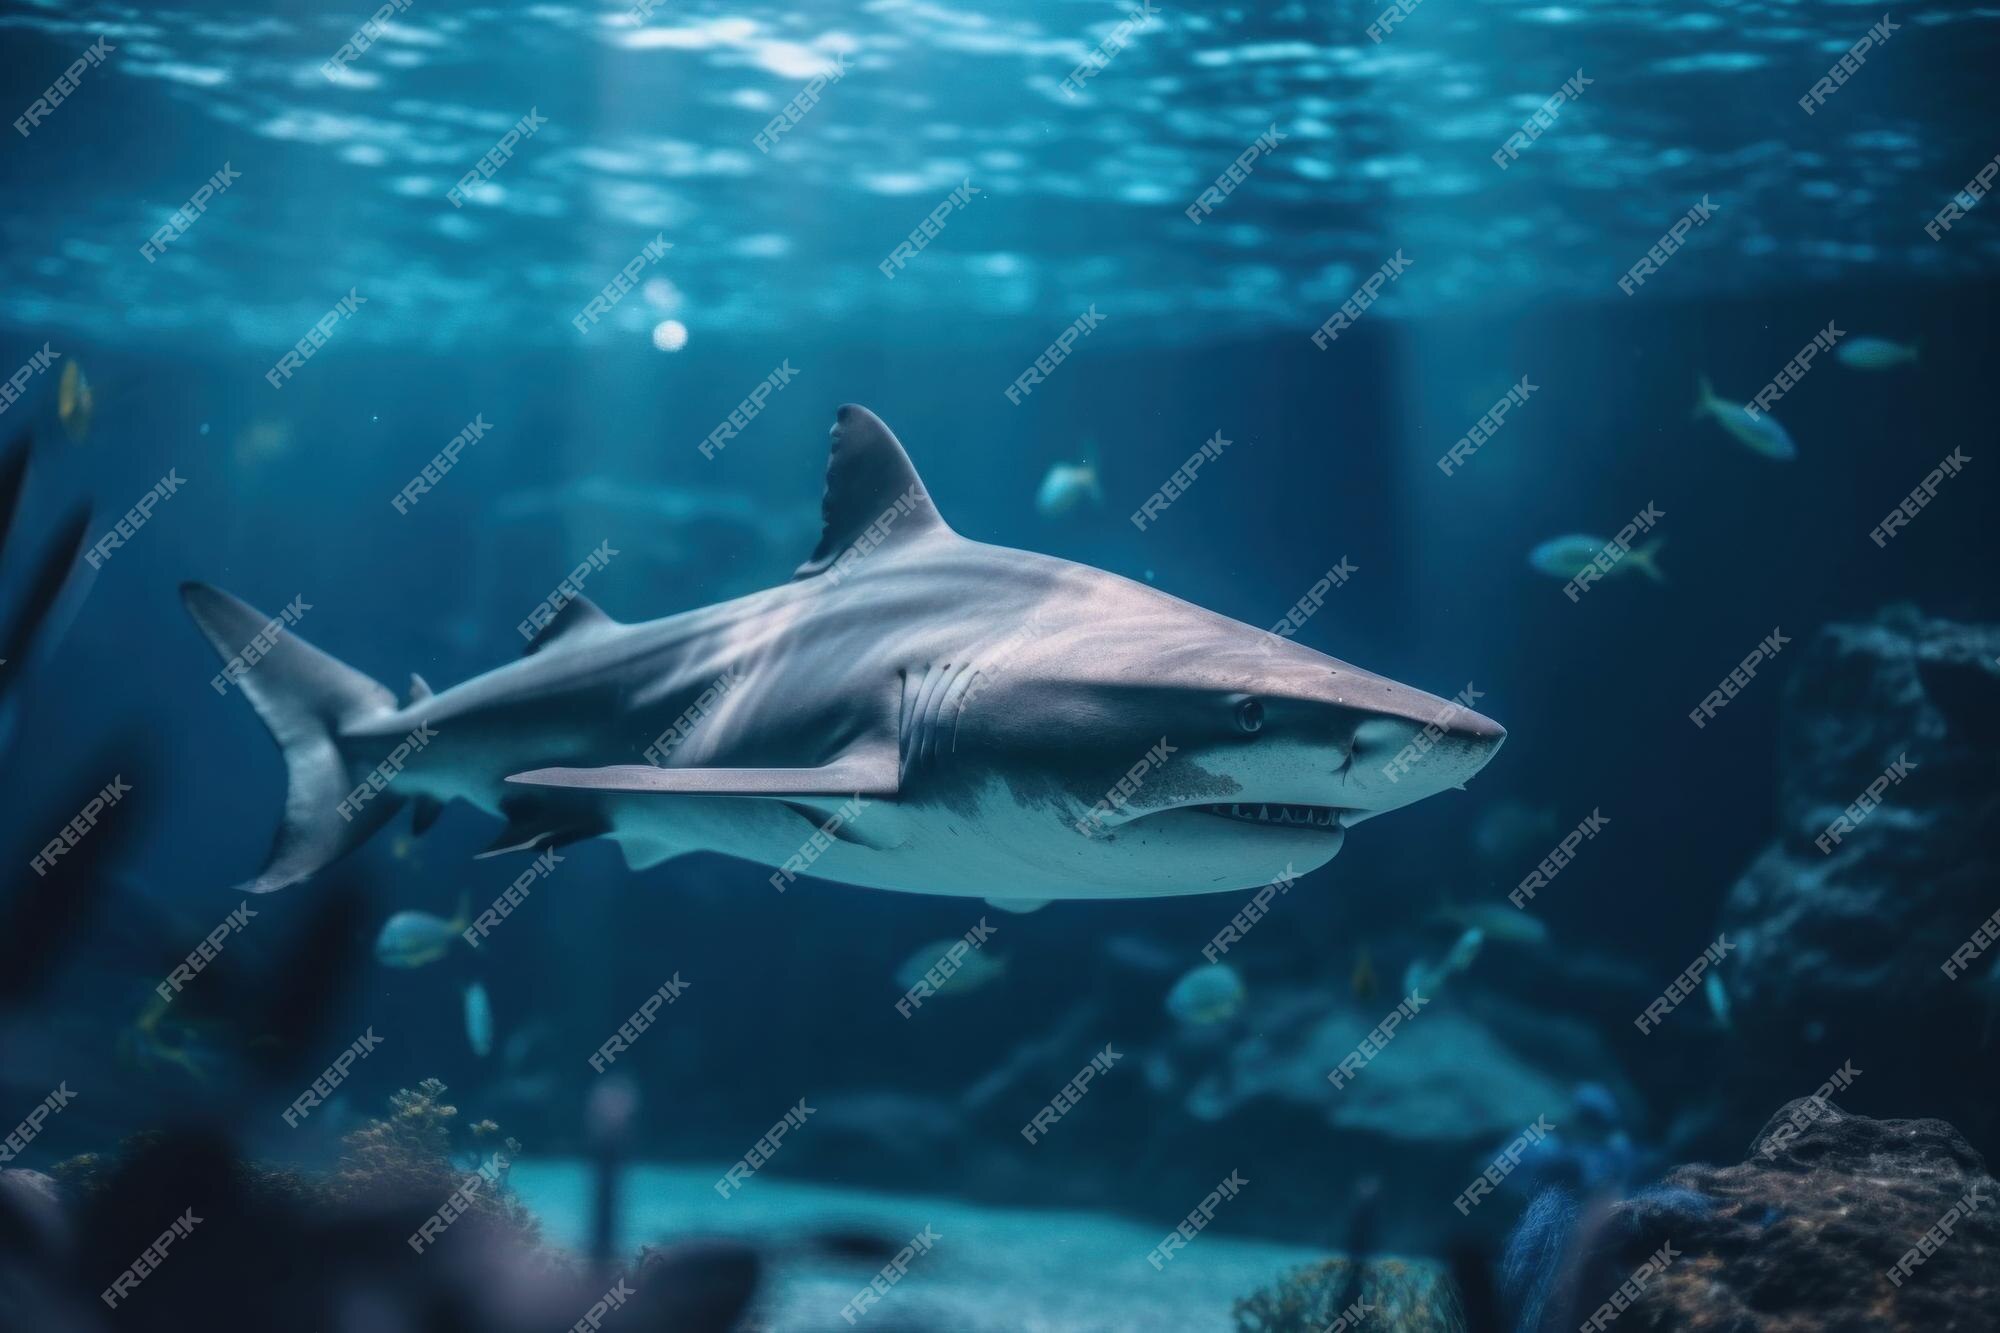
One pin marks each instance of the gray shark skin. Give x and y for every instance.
(912, 711)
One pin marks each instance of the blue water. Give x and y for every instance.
(650, 130)
(594, 430)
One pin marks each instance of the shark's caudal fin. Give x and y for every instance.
(872, 492)
(305, 697)
(1646, 559)
(1704, 396)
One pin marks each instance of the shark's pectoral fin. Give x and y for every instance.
(867, 774)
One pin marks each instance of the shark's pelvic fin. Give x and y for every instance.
(536, 822)
(305, 697)
(424, 812)
(870, 483)
(578, 621)
(643, 853)
(864, 774)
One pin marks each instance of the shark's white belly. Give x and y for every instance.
(999, 848)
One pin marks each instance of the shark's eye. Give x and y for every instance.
(1249, 716)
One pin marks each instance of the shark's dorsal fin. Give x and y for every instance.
(578, 618)
(865, 774)
(870, 483)
(420, 689)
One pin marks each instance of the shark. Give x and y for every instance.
(913, 711)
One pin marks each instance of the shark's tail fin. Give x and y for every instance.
(1704, 394)
(1646, 558)
(305, 697)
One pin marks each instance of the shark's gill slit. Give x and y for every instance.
(954, 698)
(927, 715)
(947, 678)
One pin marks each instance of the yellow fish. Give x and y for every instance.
(75, 402)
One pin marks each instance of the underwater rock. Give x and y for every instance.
(1449, 1075)
(1844, 932)
(1807, 1234)
(697, 1285)
(1382, 1293)
(1456, 1082)
(400, 1232)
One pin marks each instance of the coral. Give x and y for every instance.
(418, 1155)
(1533, 1258)
(1383, 1293)
(421, 1151)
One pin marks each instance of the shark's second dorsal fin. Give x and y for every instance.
(578, 619)
(870, 483)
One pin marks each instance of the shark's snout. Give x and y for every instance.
(1398, 760)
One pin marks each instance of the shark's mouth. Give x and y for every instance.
(1297, 816)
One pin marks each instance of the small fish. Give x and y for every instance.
(1718, 999)
(1420, 976)
(479, 1020)
(523, 1043)
(1875, 354)
(1207, 995)
(75, 403)
(1067, 486)
(1499, 922)
(199, 1044)
(975, 967)
(1565, 557)
(154, 1039)
(1760, 434)
(414, 939)
(1362, 981)
(1464, 951)
(1136, 951)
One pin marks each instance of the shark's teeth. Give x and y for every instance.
(1311, 816)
